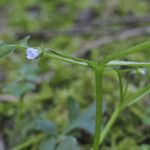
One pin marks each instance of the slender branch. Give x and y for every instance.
(69, 59)
(65, 60)
(130, 100)
(140, 94)
(109, 124)
(30, 141)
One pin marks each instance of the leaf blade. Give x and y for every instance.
(128, 63)
(137, 48)
(6, 50)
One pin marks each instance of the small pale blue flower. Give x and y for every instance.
(32, 53)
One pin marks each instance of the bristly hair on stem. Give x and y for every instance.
(99, 103)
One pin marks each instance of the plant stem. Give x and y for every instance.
(98, 121)
(69, 59)
(110, 123)
(116, 112)
(120, 85)
(29, 142)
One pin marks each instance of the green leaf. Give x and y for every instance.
(6, 49)
(18, 89)
(45, 126)
(24, 42)
(86, 120)
(126, 144)
(145, 147)
(68, 143)
(48, 144)
(137, 96)
(2, 43)
(73, 109)
(131, 50)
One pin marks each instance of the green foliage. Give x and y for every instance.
(52, 106)
(68, 143)
(85, 120)
(127, 144)
(144, 147)
(98, 68)
(6, 49)
(47, 144)
(24, 42)
(45, 126)
(19, 89)
(73, 109)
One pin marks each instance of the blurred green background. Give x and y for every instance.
(55, 100)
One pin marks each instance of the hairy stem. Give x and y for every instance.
(69, 59)
(98, 121)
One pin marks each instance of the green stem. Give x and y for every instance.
(110, 123)
(65, 59)
(116, 112)
(69, 59)
(98, 121)
(120, 85)
(29, 142)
